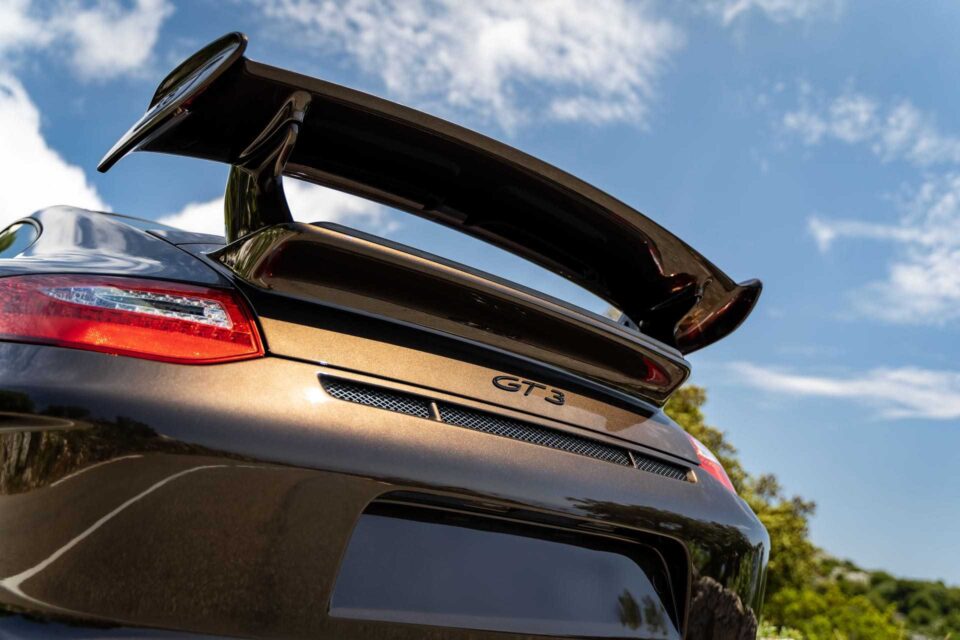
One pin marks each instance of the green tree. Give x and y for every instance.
(801, 592)
(792, 556)
(686, 408)
(828, 613)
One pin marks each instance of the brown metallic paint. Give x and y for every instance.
(336, 266)
(447, 378)
(275, 473)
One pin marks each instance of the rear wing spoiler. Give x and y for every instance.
(267, 122)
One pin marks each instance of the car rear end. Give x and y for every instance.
(362, 477)
(309, 432)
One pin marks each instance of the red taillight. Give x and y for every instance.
(130, 317)
(710, 464)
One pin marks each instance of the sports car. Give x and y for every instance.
(305, 431)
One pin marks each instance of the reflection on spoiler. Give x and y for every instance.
(268, 122)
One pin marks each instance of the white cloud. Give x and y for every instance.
(595, 61)
(109, 40)
(826, 231)
(893, 393)
(895, 131)
(779, 11)
(34, 175)
(20, 27)
(308, 203)
(922, 284)
(103, 38)
(199, 217)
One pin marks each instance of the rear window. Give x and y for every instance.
(16, 238)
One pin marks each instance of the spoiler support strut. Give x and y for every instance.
(254, 197)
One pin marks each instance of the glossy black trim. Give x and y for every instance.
(407, 563)
(192, 77)
(254, 198)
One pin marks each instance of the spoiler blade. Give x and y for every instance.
(267, 122)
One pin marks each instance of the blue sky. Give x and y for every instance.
(814, 144)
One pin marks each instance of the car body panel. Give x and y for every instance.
(335, 266)
(455, 377)
(255, 476)
(76, 240)
(263, 479)
(83, 241)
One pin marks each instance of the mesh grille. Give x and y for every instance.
(491, 423)
(653, 465)
(500, 426)
(377, 397)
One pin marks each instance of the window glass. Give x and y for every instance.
(16, 238)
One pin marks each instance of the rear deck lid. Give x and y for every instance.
(335, 268)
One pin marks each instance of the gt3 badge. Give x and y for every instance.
(514, 384)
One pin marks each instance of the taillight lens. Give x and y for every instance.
(710, 464)
(130, 317)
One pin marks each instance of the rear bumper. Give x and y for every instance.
(220, 500)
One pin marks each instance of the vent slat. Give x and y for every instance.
(380, 398)
(535, 434)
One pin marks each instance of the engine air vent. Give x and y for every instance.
(377, 397)
(380, 398)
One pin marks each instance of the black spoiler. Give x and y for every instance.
(267, 122)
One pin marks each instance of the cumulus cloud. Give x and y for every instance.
(308, 202)
(505, 62)
(922, 280)
(826, 231)
(896, 130)
(20, 27)
(199, 217)
(922, 283)
(780, 11)
(893, 393)
(109, 40)
(35, 176)
(103, 39)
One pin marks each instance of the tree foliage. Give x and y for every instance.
(810, 595)
(828, 612)
(786, 518)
